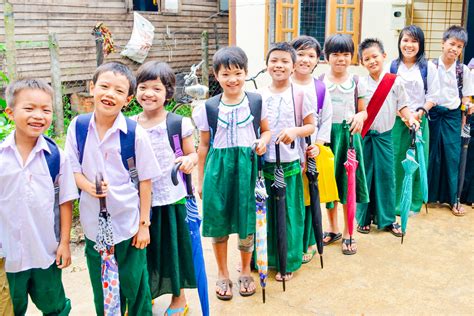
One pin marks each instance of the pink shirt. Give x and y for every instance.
(104, 156)
(26, 205)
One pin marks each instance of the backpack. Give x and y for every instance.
(127, 143)
(53, 161)
(320, 93)
(459, 74)
(423, 70)
(212, 112)
(356, 92)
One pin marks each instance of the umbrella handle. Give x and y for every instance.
(174, 173)
(308, 140)
(413, 134)
(98, 183)
(277, 154)
(351, 141)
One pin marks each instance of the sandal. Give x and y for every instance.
(246, 281)
(363, 229)
(288, 277)
(184, 310)
(308, 256)
(347, 242)
(458, 211)
(225, 285)
(392, 228)
(332, 237)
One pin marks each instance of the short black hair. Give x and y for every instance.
(230, 56)
(117, 68)
(153, 70)
(284, 47)
(338, 43)
(457, 32)
(370, 42)
(306, 42)
(23, 84)
(417, 33)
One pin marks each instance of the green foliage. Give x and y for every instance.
(184, 110)
(6, 126)
(133, 108)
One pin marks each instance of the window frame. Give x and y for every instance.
(280, 32)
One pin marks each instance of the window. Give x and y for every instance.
(282, 21)
(164, 6)
(313, 19)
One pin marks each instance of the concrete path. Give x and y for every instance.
(431, 273)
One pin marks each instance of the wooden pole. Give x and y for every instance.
(56, 84)
(205, 57)
(10, 53)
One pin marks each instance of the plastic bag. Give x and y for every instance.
(141, 40)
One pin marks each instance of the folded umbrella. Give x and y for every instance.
(105, 246)
(351, 167)
(420, 154)
(315, 204)
(279, 187)
(465, 139)
(194, 222)
(409, 166)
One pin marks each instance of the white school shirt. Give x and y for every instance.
(104, 156)
(26, 205)
(342, 98)
(323, 120)
(413, 84)
(234, 124)
(281, 115)
(164, 191)
(395, 101)
(449, 93)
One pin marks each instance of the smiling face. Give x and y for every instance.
(306, 61)
(280, 65)
(452, 48)
(339, 62)
(409, 47)
(32, 112)
(232, 80)
(151, 94)
(372, 59)
(110, 93)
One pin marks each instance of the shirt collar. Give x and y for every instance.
(119, 123)
(10, 142)
(441, 63)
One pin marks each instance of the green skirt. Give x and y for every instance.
(339, 146)
(228, 194)
(401, 142)
(169, 254)
(294, 215)
(468, 187)
(378, 161)
(445, 154)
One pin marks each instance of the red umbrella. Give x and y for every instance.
(351, 167)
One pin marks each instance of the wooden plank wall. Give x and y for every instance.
(73, 22)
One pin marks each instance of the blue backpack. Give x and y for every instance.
(53, 160)
(127, 143)
(423, 70)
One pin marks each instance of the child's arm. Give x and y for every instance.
(63, 253)
(265, 137)
(358, 120)
(190, 158)
(142, 238)
(288, 135)
(432, 92)
(409, 118)
(85, 185)
(203, 149)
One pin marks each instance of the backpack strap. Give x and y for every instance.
(53, 159)
(82, 128)
(394, 66)
(212, 113)
(255, 104)
(320, 88)
(423, 65)
(174, 129)
(356, 93)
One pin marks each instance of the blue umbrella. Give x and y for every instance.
(409, 165)
(420, 154)
(194, 223)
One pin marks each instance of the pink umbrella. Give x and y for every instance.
(351, 167)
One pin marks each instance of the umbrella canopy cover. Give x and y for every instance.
(351, 167)
(419, 142)
(409, 166)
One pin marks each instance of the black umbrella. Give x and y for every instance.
(315, 204)
(465, 138)
(279, 187)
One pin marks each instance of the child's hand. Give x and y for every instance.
(91, 189)
(357, 122)
(286, 136)
(312, 151)
(142, 238)
(470, 108)
(63, 255)
(413, 121)
(419, 115)
(187, 164)
(261, 147)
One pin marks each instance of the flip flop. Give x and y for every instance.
(457, 211)
(245, 281)
(224, 285)
(288, 277)
(333, 237)
(363, 230)
(347, 242)
(171, 312)
(308, 256)
(393, 226)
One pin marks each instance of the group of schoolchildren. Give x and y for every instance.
(136, 155)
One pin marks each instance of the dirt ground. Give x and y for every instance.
(431, 273)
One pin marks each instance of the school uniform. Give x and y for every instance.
(342, 100)
(169, 254)
(228, 193)
(123, 205)
(378, 157)
(445, 131)
(467, 195)
(412, 81)
(322, 133)
(27, 226)
(281, 115)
